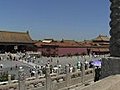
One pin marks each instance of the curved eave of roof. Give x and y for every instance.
(101, 39)
(94, 40)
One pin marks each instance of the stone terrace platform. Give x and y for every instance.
(109, 83)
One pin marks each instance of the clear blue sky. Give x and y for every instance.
(68, 19)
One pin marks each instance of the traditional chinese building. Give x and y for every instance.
(70, 48)
(60, 48)
(15, 41)
(101, 44)
(50, 47)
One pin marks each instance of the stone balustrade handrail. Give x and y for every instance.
(41, 79)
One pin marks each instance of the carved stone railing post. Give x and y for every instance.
(9, 79)
(48, 78)
(21, 79)
(115, 28)
(36, 72)
(68, 76)
(83, 72)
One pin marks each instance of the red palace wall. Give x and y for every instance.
(61, 51)
(71, 51)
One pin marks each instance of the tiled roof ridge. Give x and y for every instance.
(101, 37)
(9, 36)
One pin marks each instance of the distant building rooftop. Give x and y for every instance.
(47, 40)
(101, 38)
